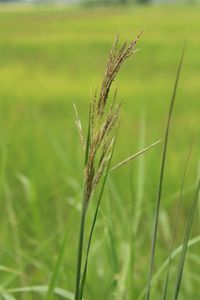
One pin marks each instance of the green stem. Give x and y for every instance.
(80, 248)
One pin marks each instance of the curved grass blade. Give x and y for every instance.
(164, 297)
(178, 250)
(94, 222)
(55, 273)
(185, 244)
(155, 225)
(42, 289)
(9, 270)
(7, 297)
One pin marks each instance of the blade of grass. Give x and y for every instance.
(42, 289)
(120, 209)
(194, 257)
(121, 290)
(94, 222)
(155, 225)
(164, 297)
(56, 270)
(12, 217)
(9, 270)
(26, 261)
(178, 250)
(111, 242)
(7, 297)
(132, 238)
(140, 179)
(185, 244)
(136, 208)
(83, 216)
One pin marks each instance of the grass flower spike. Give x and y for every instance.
(102, 130)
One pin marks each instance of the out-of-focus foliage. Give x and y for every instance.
(51, 57)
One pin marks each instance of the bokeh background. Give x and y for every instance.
(52, 55)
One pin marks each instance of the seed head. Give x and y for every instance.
(104, 119)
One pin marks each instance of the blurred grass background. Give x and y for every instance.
(51, 57)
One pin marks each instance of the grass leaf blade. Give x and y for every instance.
(55, 273)
(42, 289)
(155, 225)
(185, 244)
(164, 297)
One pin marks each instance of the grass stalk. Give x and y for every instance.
(85, 200)
(155, 225)
(56, 270)
(185, 243)
(80, 251)
(164, 296)
(101, 137)
(164, 266)
(93, 225)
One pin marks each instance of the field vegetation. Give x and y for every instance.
(51, 57)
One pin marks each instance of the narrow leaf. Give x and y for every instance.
(56, 270)
(42, 289)
(7, 297)
(185, 244)
(164, 266)
(155, 225)
(164, 297)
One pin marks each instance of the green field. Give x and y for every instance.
(51, 57)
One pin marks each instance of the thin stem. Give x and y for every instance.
(80, 247)
(160, 186)
(85, 202)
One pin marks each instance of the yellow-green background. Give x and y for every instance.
(51, 57)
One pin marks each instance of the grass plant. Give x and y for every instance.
(101, 137)
(49, 57)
